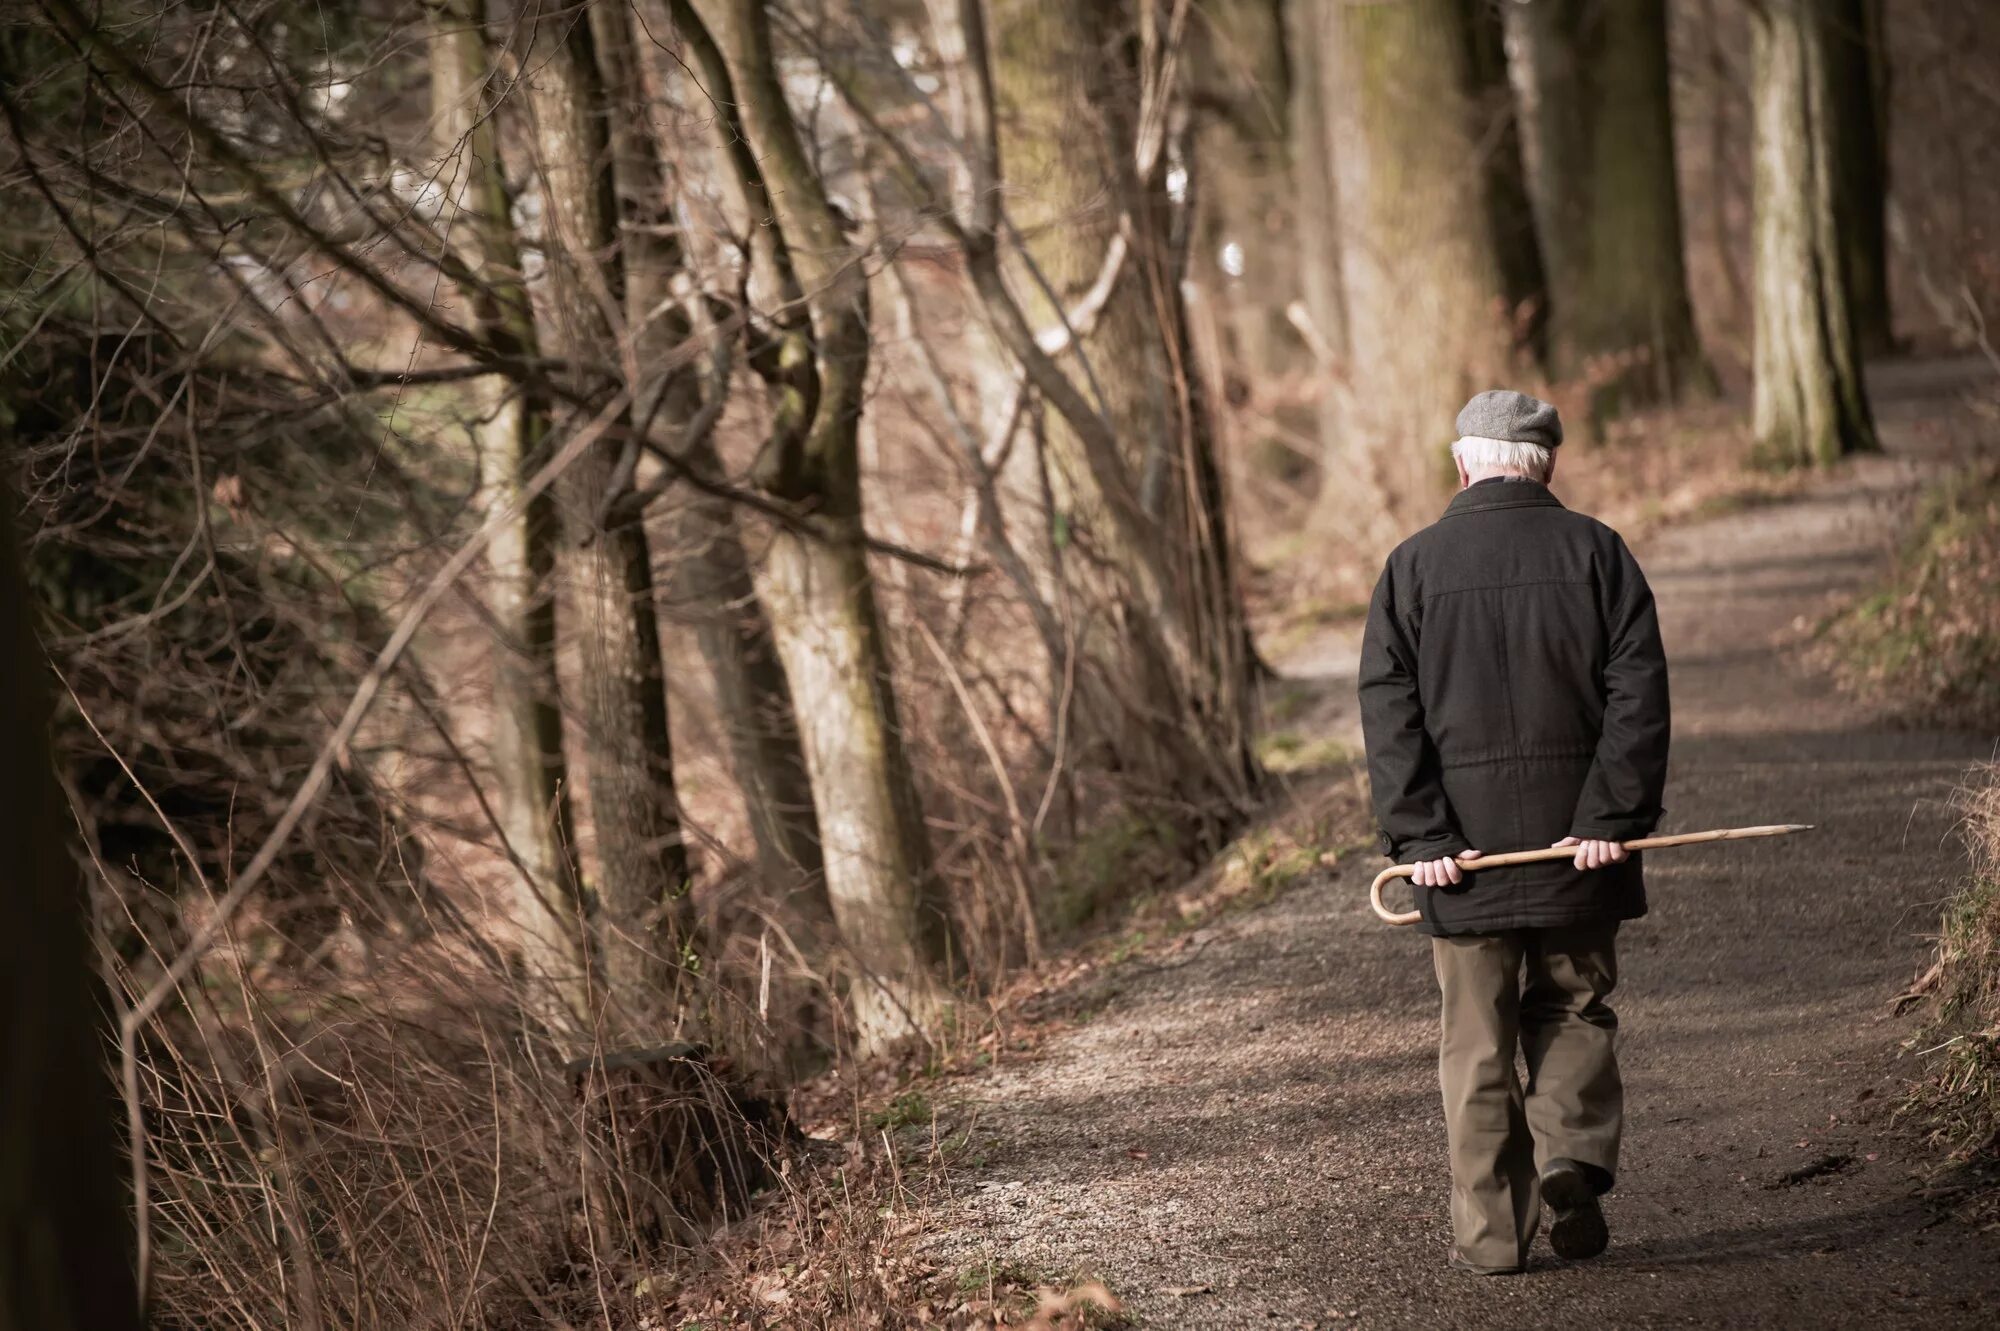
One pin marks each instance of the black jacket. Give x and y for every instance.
(1514, 692)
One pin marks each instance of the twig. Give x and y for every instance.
(309, 789)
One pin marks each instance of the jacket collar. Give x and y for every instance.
(1506, 494)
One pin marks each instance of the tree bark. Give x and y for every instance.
(1322, 304)
(1068, 103)
(1243, 104)
(1608, 200)
(1430, 318)
(1858, 68)
(1064, 104)
(1504, 176)
(643, 872)
(711, 580)
(887, 899)
(509, 427)
(1810, 405)
(65, 1222)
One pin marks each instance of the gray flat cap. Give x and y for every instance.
(1501, 413)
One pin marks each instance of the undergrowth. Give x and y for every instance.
(1926, 643)
(1958, 1098)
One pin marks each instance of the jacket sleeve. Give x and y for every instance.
(1403, 770)
(1628, 775)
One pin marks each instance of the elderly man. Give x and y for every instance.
(1514, 695)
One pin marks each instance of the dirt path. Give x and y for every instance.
(1248, 1133)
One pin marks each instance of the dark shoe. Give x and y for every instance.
(1578, 1230)
(1459, 1263)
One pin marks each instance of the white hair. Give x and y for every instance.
(1486, 457)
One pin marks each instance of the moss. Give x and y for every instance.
(1265, 861)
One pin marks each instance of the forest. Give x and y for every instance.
(603, 591)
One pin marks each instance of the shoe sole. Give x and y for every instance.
(1578, 1232)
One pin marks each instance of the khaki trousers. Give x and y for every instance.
(1543, 991)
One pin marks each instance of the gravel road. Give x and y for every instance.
(1247, 1133)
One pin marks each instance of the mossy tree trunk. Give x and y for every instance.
(620, 697)
(65, 1218)
(1607, 198)
(1428, 293)
(1810, 404)
(509, 425)
(887, 899)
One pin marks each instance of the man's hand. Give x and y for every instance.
(1595, 854)
(1444, 872)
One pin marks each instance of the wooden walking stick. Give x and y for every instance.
(1569, 852)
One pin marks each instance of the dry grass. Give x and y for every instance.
(1959, 1096)
(395, 1144)
(408, 1151)
(1927, 644)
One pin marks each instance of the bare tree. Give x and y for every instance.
(1074, 114)
(509, 426)
(711, 579)
(1320, 310)
(886, 898)
(643, 873)
(1242, 149)
(1811, 406)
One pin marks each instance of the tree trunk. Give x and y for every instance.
(1064, 104)
(887, 899)
(1504, 177)
(1608, 200)
(1243, 242)
(1429, 316)
(710, 582)
(1322, 304)
(1068, 101)
(1857, 66)
(65, 1222)
(643, 873)
(509, 429)
(1810, 405)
